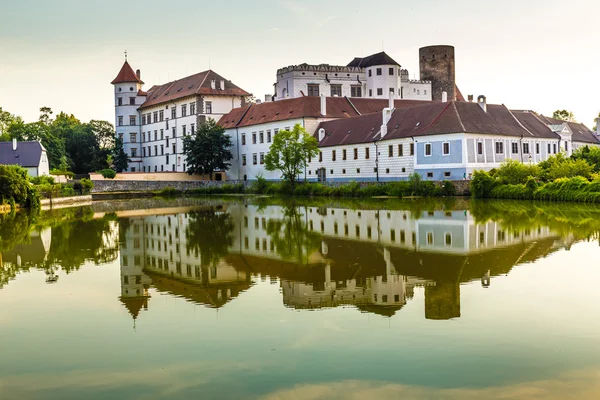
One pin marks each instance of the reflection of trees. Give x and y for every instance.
(14, 229)
(291, 236)
(210, 233)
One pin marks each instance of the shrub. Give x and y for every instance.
(67, 190)
(68, 174)
(169, 191)
(259, 186)
(107, 173)
(40, 180)
(86, 185)
(448, 189)
(482, 184)
(513, 172)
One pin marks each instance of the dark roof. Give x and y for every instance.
(299, 107)
(375, 59)
(580, 132)
(459, 95)
(365, 105)
(198, 84)
(28, 154)
(534, 124)
(126, 75)
(431, 118)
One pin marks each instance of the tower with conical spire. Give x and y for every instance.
(128, 98)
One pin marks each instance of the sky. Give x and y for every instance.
(528, 54)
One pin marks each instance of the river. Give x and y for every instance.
(261, 298)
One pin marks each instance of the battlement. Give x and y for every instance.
(325, 68)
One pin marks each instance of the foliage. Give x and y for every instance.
(210, 233)
(289, 153)
(41, 180)
(514, 172)
(15, 187)
(595, 128)
(86, 185)
(119, 157)
(558, 166)
(482, 184)
(564, 115)
(108, 173)
(208, 149)
(169, 191)
(62, 172)
(591, 154)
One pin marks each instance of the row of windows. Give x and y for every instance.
(355, 91)
(255, 158)
(131, 101)
(400, 152)
(260, 136)
(379, 71)
(331, 171)
(162, 150)
(499, 148)
(159, 116)
(132, 120)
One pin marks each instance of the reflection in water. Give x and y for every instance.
(321, 257)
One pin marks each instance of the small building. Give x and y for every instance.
(30, 155)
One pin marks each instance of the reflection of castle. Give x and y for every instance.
(326, 257)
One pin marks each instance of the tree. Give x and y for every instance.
(207, 150)
(564, 115)
(595, 128)
(104, 132)
(210, 233)
(290, 152)
(15, 187)
(119, 157)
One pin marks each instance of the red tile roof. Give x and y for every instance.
(431, 118)
(300, 107)
(126, 75)
(198, 84)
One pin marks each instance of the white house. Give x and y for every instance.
(152, 124)
(375, 77)
(30, 155)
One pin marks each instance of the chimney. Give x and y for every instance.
(138, 73)
(268, 98)
(323, 104)
(222, 85)
(481, 100)
(213, 84)
(386, 116)
(391, 101)
(444, 97)
(321, 134)
(470, 98)
(14, 144)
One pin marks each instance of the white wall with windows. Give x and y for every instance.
(127, 121)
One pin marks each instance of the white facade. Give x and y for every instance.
(375, 82)
(127, 121)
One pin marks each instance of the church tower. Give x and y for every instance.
(128, 97)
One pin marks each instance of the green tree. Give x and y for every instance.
(119, 157)
(595, 128)
(207, 150)
(15, 187)
(564, 115)
(289, 153)
(210, 233)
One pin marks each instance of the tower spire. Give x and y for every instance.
(125, 55)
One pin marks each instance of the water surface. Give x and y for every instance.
(233, 299)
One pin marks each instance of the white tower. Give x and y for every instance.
(128, 97)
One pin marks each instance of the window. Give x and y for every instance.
(445, 148)
(332, 155)
(162, 134)
(243, 159)
(143, 119)
(430, 174)
(344, 154)
(336, 90)
(549, 149)
(370, 72)
(392, 90)
(429, 238)
(275, 131)
(499, 147)
(120, 101)
(370, 92)
(412, 149)
(174, 132)
(356, 154)
(390, 151)
(427, 149)
(174, 148)
(192, 129)
(379, 92)
(566, 147)
(120, 120)
(133, 152)
(254, 159)
(167, 141)
(515, 147)
(155, 116)
(448, 239)
(447, 174)
(391, 71)
(192, 108)
(155, 150)
(480, 148)
(162, 150)
(554, 148)
(268, 136)
(161, 115)
(144, 154)
(320, 156)
(208, 107)
(262, 158)
(355, 91)
(184, 110)
(313, 90)
(243, 139)
(379, 71)
(366, 153)
(526, 148)
(261, 136)
(253, 137)
(173, 113)
(400, 150)
(133, 137)
(358, 170)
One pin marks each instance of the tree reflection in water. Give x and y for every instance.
(209, 232)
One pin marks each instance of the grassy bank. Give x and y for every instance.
(413, 187)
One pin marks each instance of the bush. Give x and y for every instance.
(482, 184)
(169, 191)
(448, 189)
(67, 191)
(513, 172)
(259, 186)
(40, 180)
(107, 173)
(15, 187)
(57, 172)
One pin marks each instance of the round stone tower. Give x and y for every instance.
(437, 65)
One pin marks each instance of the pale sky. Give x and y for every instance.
(528, 54)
